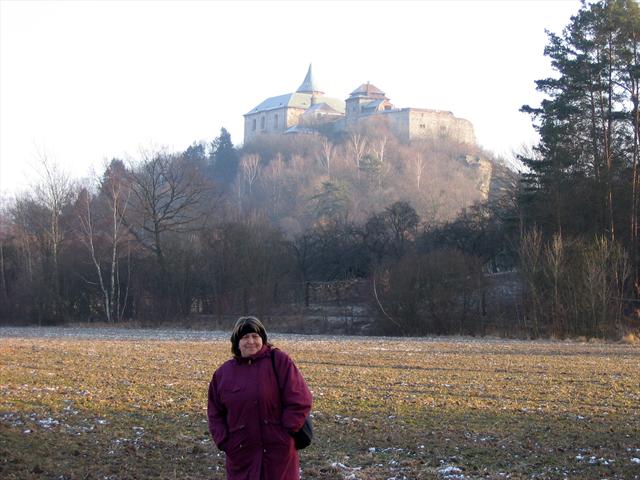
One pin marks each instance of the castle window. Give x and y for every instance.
(422, 125)
(254, 125)
(262, 123)
(275, 121)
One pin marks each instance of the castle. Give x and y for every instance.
(308, 107)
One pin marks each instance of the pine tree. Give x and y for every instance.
(224, 158)
(583, 154)
(582, 177)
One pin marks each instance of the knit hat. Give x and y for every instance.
(243, 326)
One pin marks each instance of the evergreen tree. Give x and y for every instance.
(582, 177)
(224, 158)
(583, 155)
(196, 153)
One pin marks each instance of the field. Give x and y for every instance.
(387, 409)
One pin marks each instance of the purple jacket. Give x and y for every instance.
(248, 420)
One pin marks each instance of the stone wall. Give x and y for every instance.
(406, 123)
(274, 122)
(399, 122)
(439, 124)
(412, 123)
(293, 116)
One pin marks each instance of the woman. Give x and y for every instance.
(253, 412)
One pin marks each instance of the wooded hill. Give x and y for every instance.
(422, 227)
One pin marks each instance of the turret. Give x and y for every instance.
(309, 85)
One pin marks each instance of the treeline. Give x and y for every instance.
(444, 239)
(579, 195)
(218, 230)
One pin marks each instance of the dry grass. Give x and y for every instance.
(384, 409)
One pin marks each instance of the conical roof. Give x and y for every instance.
(308, 84)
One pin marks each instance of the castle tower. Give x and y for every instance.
(367, 98)
(283, 113)
(309, 85)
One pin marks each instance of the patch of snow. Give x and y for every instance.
(70, 410)
(635, 460)
(593, 460)
(451, 472)
(48, 422)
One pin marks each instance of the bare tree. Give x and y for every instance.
(166, 196)
(115, 195)
(555, 263)
(250, 165)
(379, 147)
(25, 237)
(54, 192)
(327, 153)
(239, 192)
(418, 167)
(358, 148)
(4, 239)
(531, 267)
(606, 271)
(273, 179)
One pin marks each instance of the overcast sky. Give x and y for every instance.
(84, 82)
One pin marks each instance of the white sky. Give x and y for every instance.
(83, 82)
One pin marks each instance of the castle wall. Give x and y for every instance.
(399, 122)
(439, 124)
(411, 123)
(352, 109)
(293, 116)
(273, 121)
(406, 123)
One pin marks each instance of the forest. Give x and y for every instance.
(426, 237)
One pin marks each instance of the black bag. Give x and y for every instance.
(303, 437)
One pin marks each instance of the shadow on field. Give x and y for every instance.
(356, 443)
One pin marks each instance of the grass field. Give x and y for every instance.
(384, 409)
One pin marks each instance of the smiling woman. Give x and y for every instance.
(256, 402)
(250, 344)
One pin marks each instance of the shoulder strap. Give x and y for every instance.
(275, 370)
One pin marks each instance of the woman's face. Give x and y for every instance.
(250, 344)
